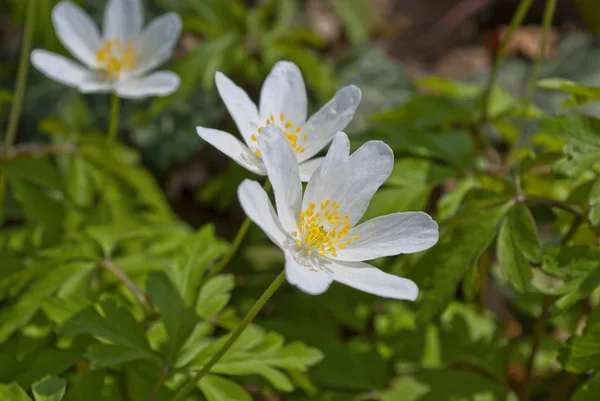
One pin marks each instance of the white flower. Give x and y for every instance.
(283, 104)
(318, 231)
(116, 60)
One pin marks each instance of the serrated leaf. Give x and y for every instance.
(217, 388)
(51, 389)
(463, 240)
(178, 319)
(516, 239)
(214, 295)
(12, 392)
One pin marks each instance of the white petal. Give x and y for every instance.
(308, 168)
(123, 20)
(351, 184)
(242, 109)
(326, 178)
(369, 279)
(77, 32)
(258, 208)
(156, 43)
(284, 92)
(59, 68)
(233, 148)
(282, 168)
(313, 282)
(331, 118)
(96, 84)
(160, 83)
(392, 234)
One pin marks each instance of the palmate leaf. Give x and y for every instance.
(463, 240)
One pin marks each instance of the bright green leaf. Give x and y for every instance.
(217, 388)
(214, 295)
(12, 392)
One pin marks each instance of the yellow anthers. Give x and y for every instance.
(323, 229)
(115, 58)
(292, 135)
(257, 153)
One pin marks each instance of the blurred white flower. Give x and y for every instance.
(318, 231)
(282, 104)
(119, 59)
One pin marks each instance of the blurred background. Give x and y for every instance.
(402, 54)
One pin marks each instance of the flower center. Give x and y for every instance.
(323, 230)
(293, 134)
(115, 58)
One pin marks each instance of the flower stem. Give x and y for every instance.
(134, 289)
(546, 26)
(114, 117)
(190, 385)
(15, 111)
(514, 24)
(236, 241)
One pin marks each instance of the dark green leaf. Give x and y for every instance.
(51, 389)
(178, 319)
(584, 351)
(88, 387)
(516, 240)
(588, 391)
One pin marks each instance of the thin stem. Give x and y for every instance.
(514, 24)
(15, 111)
(131, 286)
(190, 385)
(114, 117)
(236, 242)
(546, 26)
(552, 203)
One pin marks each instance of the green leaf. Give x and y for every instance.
(516, 240)
(217, 388)
(588, 391)
(39, 208)
(214, 295)
(462, 240)
(107, 355)
(43, 286)
(566, 85)
(178, 319)
(198, 251)
(88, 387)
(111, 322)
(51, 389)
(594, 214)
(33, 169)
(12, 392)
(584, 351)
(79, 182)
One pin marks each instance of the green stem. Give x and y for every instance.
(15, 111)
(516, 21)
(546, 26)
(190, 385)
(236, 242)
(114, 117)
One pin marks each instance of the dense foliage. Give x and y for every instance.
(106, 293)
